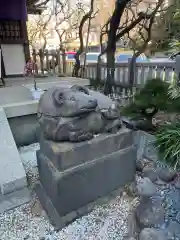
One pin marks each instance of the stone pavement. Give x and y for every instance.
(17, 89)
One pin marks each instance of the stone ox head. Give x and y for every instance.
(66, 102)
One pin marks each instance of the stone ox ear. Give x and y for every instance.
(58, 97)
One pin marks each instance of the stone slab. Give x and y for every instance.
(75, 187)
(65, 155)
(54, 217)
(12, 173)
(25, 129)
(14, 199)
(144, 144)
(20, 109)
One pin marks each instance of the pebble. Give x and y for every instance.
(177, 183)
(150, 213)
(166, 174)
(174, 228)
(140, 165)
(178, 217)
(146, 188)
(150, 173)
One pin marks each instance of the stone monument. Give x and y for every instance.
(85, 153)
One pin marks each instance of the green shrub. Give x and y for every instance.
(150, 99)
(96, 83)
(168, 144)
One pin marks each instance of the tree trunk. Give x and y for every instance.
(98, 71)
(77, 65)
(109, 81)
(114, 23)
(132, 70)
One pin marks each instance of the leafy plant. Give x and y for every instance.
(168, 144)
(149, 100)
(96, 84)
(174, 88)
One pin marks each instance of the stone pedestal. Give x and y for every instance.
(74, 174)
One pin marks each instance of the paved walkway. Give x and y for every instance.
(17, 89)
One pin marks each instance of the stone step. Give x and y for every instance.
(12, 173)
(77, 186)
(66, 155)
(14, 199)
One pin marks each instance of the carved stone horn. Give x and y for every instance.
(80, 89)
(58, 96)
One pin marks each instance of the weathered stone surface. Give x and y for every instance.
(12, 173)
(74, 114)
(14, 199)
(146, 188)
(152, 234)
(129, 238)
(140, 164)
(140, 142)
(177, 183)
(150, 152)
(178, 217)
(46, 202)
(150, 173)
(131, 189)
(65, 155)
(150, 213)
(75, 187)
(174, 228)
(166, 174)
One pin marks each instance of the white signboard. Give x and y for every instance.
(14, 58)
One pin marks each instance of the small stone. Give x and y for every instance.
(166, 174)
(139, 165)
(174, 228)
(150, 173)
(178, 217)
(146, 188)
(150, 213)
(129, 238)
(26, 237)
(150, 164)
(143, 163)
(152, 234)
(177, 184)
(159, 182)
(131, 189)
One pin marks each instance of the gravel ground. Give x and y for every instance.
(106, 222)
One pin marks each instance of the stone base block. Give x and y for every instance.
(77, 186)
(61, 221)
(66, 155)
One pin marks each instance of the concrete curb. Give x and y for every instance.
(12, 173)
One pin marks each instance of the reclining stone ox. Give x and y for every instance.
(76, 114)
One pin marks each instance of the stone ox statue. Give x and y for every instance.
(76, 114)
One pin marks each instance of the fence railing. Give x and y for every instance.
(143, 71)
(55, 63)
(167, 70)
